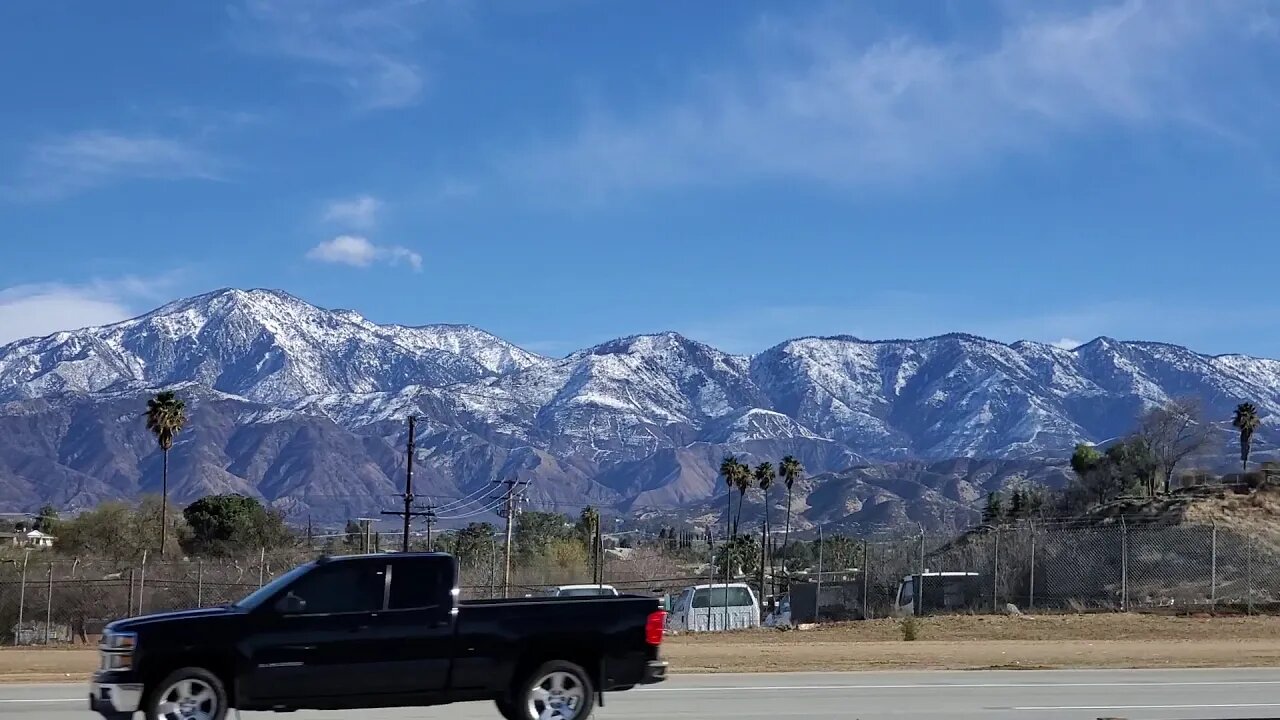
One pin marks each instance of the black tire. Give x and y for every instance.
(565, 682)
(507, 710)
(210, 694)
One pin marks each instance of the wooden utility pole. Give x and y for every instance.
(430, 515)
(408, 513)
(508, 512)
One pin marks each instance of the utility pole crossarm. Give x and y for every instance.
(408, 513)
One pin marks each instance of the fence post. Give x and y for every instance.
(1213, 565)
(200, 583)
(22, 596)
(142, 585)
(995, 576)
(262, 566)
(917, 604)
(1031, 598)
(866, 578)
(48, 608)
(129, 604)
(817, 607)
(711, 581)
(1248, 569)
(1124, 566)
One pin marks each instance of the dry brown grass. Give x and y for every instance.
(959, 642)
(982, 642)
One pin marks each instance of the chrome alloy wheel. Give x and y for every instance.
(188, 699)
(557, 696)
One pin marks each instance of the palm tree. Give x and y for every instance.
(1246, 421)
(166, 416)
(743, 483)
(764, 478)
(789, 470)
(729, 470)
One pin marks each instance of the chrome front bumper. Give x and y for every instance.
(115, 699)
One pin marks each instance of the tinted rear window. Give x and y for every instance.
(584, 592)
(418, 583)
(715, 597)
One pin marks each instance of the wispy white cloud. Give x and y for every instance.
(358, 213)
(39, 309)
(66, 165)
(813, 103)
(366, 48)
(360, 252)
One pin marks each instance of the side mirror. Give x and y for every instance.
(291, 604)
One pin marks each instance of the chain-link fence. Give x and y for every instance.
(1032, 567)
(1036, 568)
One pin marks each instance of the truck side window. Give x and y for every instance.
(416, 584)
(344, 587)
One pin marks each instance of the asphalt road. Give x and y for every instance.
(1029, 695)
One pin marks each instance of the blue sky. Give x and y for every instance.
(561, 172)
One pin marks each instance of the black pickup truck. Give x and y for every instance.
(374, 631)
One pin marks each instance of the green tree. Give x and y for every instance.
(231, 525)
(1246, 420)
(1133, 462)
(1085, 459)
(114, 530)
(993, 513)
(588, 526)
(789, 470)
(166, 416)
(1017, 504)
(536, 531)
(474, 545)
(738, 557)
(47, 520)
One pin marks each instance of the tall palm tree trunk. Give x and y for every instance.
(786, 534)
(766, 558)
(164, 502)
(737, 520)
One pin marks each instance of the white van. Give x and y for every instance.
(703, 608)
(584, 591)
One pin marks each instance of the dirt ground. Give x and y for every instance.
(990, 642)
(957, 642)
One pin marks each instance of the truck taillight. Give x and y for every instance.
(653, 627)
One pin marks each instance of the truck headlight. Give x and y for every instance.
(117, 651)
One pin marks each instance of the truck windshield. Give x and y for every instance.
(585, 592)
(722, 597)
(259, 596)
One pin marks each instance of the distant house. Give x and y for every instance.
(27, 539)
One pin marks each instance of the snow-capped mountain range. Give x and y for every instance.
(305, 407)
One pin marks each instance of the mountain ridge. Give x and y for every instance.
(274, 375)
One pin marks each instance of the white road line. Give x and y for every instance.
(894, 686)
(1147, 707)
(954, 686)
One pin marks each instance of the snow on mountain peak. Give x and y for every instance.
(265, 345)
